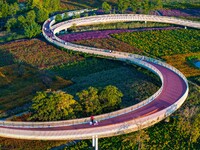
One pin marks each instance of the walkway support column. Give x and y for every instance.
(93, 141)
(96, 143)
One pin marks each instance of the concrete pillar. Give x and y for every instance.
(93, 141)
(96, 143)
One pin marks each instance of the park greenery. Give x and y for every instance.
(29, 18)
(58, 105)
(163, 42)
(28, 66)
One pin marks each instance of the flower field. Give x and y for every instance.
(90, 35)
(191, 14)
(180, 12)
(35, 53)
(100, 34)
(163, 42)
(110, 43)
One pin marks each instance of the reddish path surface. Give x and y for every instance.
(173, 89)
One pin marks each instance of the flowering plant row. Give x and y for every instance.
(103, 33)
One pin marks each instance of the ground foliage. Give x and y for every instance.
(180, 61)
(100, 72)
(37, 53)
(163, 42)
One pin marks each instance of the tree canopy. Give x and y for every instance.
(51, 106)
(106, 7)
(89, 101)
(96, 101)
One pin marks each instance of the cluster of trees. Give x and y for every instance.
(141, 6)
(58, 105)
(7, 9)
(29, 22)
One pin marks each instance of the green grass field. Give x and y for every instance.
(134, 84)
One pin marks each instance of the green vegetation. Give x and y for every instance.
(110, 43)
(58, 105)
(38, 54)
(163, 42)
(20, 78)
(52, 106)
(25, 19)
(16, 144)
(101, 72)
(9, 36)
(120, 25)
(19, 83)
(180, 62)
(7, 9)
(94, 101)
(106, 7)
(193, 59)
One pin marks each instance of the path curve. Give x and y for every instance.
(165, 101)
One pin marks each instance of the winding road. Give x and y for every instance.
(164, 102)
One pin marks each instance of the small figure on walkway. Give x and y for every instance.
(92, 119)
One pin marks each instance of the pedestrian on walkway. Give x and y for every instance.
(92, 119)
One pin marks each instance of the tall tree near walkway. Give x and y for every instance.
(89, 101)
(106, 7)
(52, 106)
(42, 15)
(123, 5)
(110, 98)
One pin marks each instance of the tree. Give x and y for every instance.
(58, 18)
(52, 106)
(13, 9)
(73, 28)
(145, 6)
(30, 17)
(106, 7)
(123, 5)
(11, 23)
(22, 21)
(53, 5)
(7, 9)
(66, 16)
(159, 4)
(76, 15)
(135, 5)
(42, 15)
(89, 100)
(110, 98)
(4, 9)
(32, 30)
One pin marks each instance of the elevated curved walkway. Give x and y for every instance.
(165, 101)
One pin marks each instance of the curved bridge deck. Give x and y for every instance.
(169, 98)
